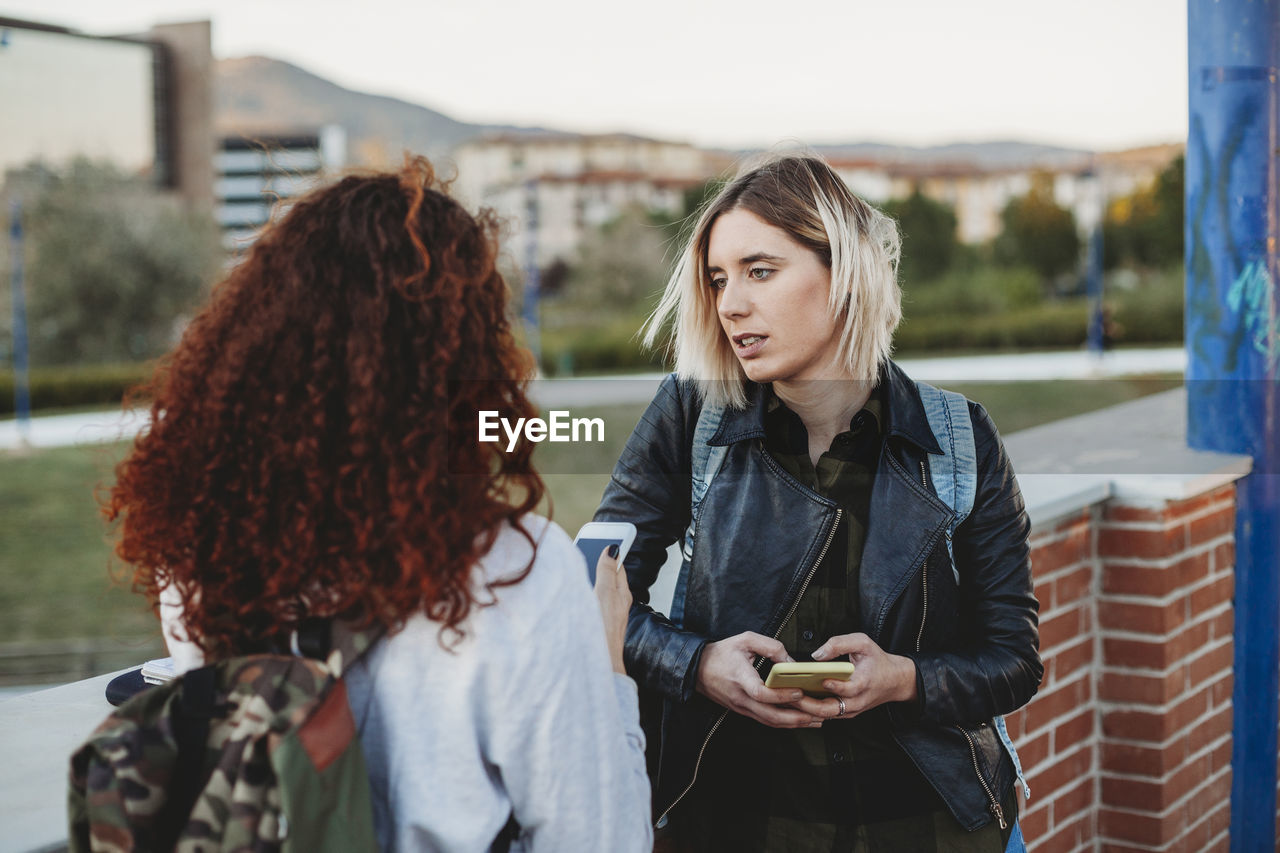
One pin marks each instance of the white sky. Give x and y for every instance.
(1102, 74)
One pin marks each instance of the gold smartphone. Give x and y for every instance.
(809, 676)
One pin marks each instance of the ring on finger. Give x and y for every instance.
(841, 701)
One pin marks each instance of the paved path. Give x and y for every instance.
(98, 427)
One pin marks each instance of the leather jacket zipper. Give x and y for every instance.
(994, 808)
(831, 534)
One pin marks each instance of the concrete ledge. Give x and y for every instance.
(38, 733)
(1136, 452)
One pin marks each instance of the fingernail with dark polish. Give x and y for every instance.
(612, 551)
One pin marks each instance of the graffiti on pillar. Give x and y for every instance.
(1220, 331)
(1252, 299)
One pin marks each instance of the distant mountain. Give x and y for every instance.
(260, 95)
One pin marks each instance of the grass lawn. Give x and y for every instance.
(55, 583)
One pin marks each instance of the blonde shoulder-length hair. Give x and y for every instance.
(801, 195)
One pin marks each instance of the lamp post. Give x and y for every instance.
(22, 382)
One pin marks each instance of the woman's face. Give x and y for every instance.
(771, 294)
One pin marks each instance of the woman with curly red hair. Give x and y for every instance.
(313, 453)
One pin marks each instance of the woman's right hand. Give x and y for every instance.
(614, 597)
(727, 676)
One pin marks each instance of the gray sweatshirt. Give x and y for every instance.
(522, 716)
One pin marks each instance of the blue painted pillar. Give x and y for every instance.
(1233, 347)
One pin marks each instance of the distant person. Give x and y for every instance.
(820, 494)
(313, 453)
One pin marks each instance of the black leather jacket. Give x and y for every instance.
(761, 534)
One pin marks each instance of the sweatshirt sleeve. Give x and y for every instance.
(568, 742)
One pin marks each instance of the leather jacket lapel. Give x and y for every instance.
(905, 524)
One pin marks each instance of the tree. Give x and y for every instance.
(1145, 228)
(1038, 233)
(928, 230)
(622, 265)
(112, 264)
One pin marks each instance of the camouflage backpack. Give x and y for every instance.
(255, 753)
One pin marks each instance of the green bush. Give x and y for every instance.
(1056, 325)
(84, 385)
(983, 289)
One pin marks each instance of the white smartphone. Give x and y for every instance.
(595, 536)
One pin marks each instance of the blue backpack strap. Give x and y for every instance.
(955, 472)
(955, 479)
(705, 460)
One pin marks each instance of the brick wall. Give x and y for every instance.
(1128, 744)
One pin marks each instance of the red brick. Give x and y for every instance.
(1143, 544)
(1220, 692)
(1074, 731)
(1221, 495)
(1218, 523)
(1068, 838)
(1137, 759)
(1220, 819)
(1140, 828)
(1151, 795)
(1158, 619)
(1223, 625)
(1224, 556)
(1073, 802)
(1046, 708)
(1061, 628)
(1124, 578)
(1033, 753)
(1112, 847)
(1013, 724)
(1035, 823)
(1043, 591)
(1073, 586)
(1075, 547)
(1119, 512)
(1196, 837)
(1072, 658)
(1142, 689)
(1212, 595)
(1207, 731)
(1154, 654)
(1211, 664)
(1062, 774)
(1221, 756)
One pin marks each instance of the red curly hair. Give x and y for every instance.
(313, 444)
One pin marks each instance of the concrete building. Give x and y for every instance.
(573, 183)
(258, 175)
(140, 102)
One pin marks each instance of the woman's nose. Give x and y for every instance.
(732, 300)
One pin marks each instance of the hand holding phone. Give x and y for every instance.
(612, 593)
(595, 536)
(809, 676)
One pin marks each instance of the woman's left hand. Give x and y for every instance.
(878, 677)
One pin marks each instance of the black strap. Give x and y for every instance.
(192, 712)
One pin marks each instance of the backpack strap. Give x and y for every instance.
(192, 711)
(955, 479)
(955, 471)
(705, 463)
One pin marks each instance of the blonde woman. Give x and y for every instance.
(816, 532)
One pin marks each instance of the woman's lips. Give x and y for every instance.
(747, 346)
